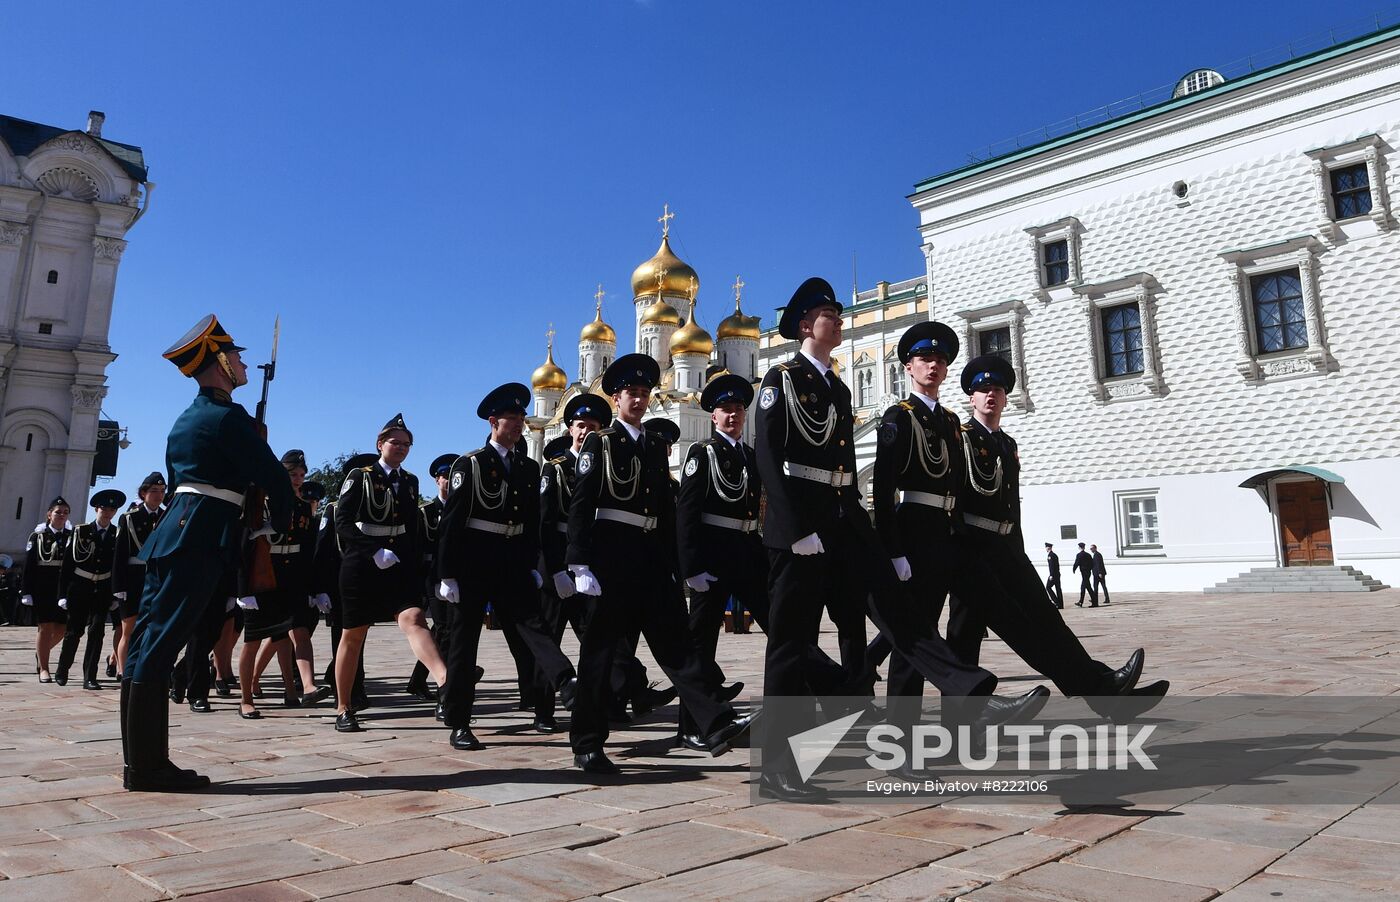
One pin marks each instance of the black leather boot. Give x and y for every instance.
(147, 742)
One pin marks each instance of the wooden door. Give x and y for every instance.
(1303, 523)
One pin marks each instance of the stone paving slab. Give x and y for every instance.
(299, 811)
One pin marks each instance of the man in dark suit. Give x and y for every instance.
(214, 452)
(1052, 585)
(1084, 565)
(1100, 582)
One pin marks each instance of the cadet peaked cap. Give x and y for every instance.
(513, 397)
(811, 294)
(153, 479)
(396, 423)
(557, 446)
(108, 498)
(441, 464)
(987, 370)
(313, 491)
(928, 338)
(295, 458)
(197, 349)
(594, 407)
(663, 429)
(357, 462)
(629, 370)
(726, 388)
(60, 501)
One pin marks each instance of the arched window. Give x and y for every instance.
(53, 277)
(897, 374)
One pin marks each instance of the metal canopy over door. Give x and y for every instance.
(1304, 526)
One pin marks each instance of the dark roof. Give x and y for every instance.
(23, 138)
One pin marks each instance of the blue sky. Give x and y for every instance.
(419, 189)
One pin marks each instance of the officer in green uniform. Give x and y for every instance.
(214, 452)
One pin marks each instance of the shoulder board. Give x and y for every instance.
(906, 405)
(557, 461)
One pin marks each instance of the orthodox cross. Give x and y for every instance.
(665, 220)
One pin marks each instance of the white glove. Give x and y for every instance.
(229, 605)
(539, 580)
(701, 581)
(585, 582)
(810, 545)
(447, 591)
(248, 603)
(901, 568)
(265, 530)
(120, 596)
(27, 601)
(564, 584)
(63, 604)
(384, 559)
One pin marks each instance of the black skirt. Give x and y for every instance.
(370, 595)
(272, 619)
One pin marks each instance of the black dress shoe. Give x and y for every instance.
(692, 741)
(596, 763)
(200, 705)
(167, 778)
(258, 693)
(568, 693)
(546, 725)
(421, 692)
(1133, 704)
(60, 677)
(910, 774)
(463, 741)
(1019, 709)
(731, 692)
(315, 696)
(254, 714)
(291, 701)
(177, 694)
(221, 687)
(345, 722)
(718, 742)
(788, 788)
(111, 668)
(650, 699)
(441, 715)
(1122, 680)
(91, 684)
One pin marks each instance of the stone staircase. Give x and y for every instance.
(1298, 579)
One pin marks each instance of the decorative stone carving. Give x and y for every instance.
(12, 234)
(74, 143)
(1134, 389)
(108, 248)
(88, 397)
(66, 181)
(1286, 367)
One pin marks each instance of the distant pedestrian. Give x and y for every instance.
(1052, 585)
(1100, 582)
(1084, 564)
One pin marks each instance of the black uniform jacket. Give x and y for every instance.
(982, 495)
(325, 560)
(293, 552)
(88, 555)
(919, 450)
(797, 507)
(483, 493)
(369, 516)
(431, 513)
(613, 474)
(133, 529)
(43, 560)
(706, 548)
(556, 493)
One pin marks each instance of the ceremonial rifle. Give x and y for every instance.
(257, 551)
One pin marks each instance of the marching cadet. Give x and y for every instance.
(439, 610)
(377, 521)
(128, 570)
(561, 605)
(85, 588)
(822, 549)
(214, 452)
(488, 549)
(325, 583)
(999, 585)
(618, 557)
(43, 560)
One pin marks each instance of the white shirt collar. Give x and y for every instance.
(930, 403)
(634, 431)
(386, 470)
(500, 449)
(49, 527)
(149, 511)
(822, 368)
(725, 436)
(570, 450)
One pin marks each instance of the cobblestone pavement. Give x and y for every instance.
(300, 812)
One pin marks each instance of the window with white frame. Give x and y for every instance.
(1055, 254)
(1121, 326)
(1349, 185)
(995, 342)
(997, 329)
(865, 380)
(897, 383)
(1139, 525)
(1279, 329)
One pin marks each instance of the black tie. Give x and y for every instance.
(831, 378)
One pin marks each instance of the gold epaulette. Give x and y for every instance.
(906, 405)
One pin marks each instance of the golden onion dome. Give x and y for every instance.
(691, 339)
(737, 325)
(598, 330)
(661, 313)
(548, 376)
(676, 277)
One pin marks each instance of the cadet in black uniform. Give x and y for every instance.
(441, 612)
(822, 549)
(43, 560)
(618, 557)
(85, 587)
(325, 583)
(129, 571)
(380, 530)
(488, 549)
(1052, 584)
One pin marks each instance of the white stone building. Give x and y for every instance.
(67, 199)
(1197, 300)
